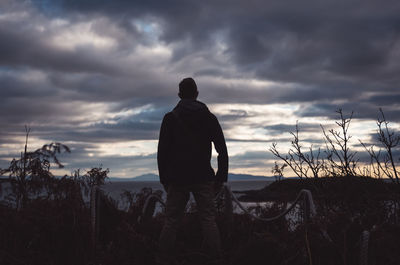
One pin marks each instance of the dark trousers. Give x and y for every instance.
(177, 198)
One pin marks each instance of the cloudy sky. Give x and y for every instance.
(98, 75)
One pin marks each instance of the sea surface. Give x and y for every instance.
(115, 188)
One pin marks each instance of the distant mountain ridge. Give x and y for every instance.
(231, 177)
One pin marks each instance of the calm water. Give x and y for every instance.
(114, 189)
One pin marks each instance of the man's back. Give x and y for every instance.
(184, 151)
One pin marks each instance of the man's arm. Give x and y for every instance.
(164, 143)
(220, 147)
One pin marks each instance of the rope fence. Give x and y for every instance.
(228, 197)
(306, 193)
(148, 208)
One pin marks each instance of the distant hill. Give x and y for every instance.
(231, 177)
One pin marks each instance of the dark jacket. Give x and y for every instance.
(184, 147)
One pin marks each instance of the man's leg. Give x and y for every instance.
(177, 197)
(204, 196)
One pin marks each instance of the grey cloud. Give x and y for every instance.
(282, 41)
(142, 126)
(270, 140)
(257, 159)
(330, 55)
(362, 110)
(209, 72)
(233, 117)
(254, 155)
(106, 88)
(277, 129)
(385, 99)
(111, 162)
(27, 49)
(322, 56)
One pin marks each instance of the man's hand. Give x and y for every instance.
(165, 187)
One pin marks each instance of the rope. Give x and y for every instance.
(228, 195)
(157, 198)
(308, 199)
(220, 193)
(303, 192)
(145, 212)
(306, 193)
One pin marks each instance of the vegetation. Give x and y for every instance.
(339, 159)
(49, 220)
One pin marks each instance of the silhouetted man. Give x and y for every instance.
(184, 154)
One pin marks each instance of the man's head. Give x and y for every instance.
(188, 89)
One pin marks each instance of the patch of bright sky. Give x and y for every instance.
(99, 112)
(70, 37)
(160, 51)
(53, 24)
(258, 116)
(251, 128)
(18, 144)
(113, 117)
(272, 112)
(14, 16)
(24, 74)
(92, 113)
(220, 37)
(32, 76)
(252, 84)
(128, 148)
(362, 130)
(122, 172)
(151, 29)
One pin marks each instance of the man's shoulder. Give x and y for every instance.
(168, 115)
(167, 119)
(212, 117)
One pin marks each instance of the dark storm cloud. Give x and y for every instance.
(362, 110)
(283, 41)
(256, 159)
(285, 128)
(385, 99)
(320, 55)
(329, 50)
(233, 117)
(142, 126)
(25, 48)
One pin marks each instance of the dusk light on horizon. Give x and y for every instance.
(98, 76)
